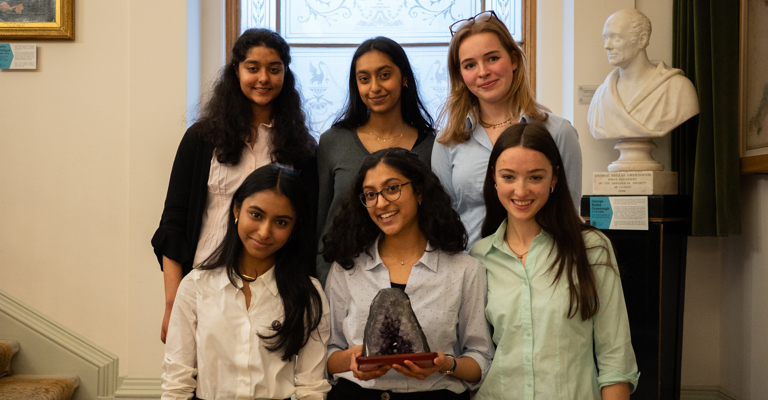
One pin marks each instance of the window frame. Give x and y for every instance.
(528, 44)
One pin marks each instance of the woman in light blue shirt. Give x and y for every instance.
(554, 291)
(396, 228)
(489, 92)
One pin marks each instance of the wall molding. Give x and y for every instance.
(105, 363)
(705, 393)
(139, 388)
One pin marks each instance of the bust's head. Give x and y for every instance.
(625, 35)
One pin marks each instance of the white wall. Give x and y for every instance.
(744, 296)
(86, 144)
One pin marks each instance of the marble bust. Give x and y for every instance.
(639, 98)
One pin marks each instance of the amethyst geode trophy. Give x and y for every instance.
(392, 327)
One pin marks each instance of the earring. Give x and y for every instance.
(235, 220)
(551, 189)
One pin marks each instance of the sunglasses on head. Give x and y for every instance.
(481, 17)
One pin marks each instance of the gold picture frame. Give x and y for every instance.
(37, 19)
(753, 88)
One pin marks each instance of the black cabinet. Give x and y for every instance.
(652, 266)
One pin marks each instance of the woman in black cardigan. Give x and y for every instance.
(254, 117)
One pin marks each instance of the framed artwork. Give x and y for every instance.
(753, 84)
(37, 19)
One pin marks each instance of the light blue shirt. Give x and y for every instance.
(541, 353)
(447, 294)
(462, 168)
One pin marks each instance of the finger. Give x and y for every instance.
(404, 370)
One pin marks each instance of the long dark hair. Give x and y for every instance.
(414, 113)
(353, 231)
(228, 115)
(558, 217)
(294, 262)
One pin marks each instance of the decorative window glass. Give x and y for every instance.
(323, 35)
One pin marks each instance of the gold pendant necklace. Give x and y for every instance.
(378, 138)
(519, 256)
(398, 260)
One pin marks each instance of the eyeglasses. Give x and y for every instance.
(389, 193)
(481, 17)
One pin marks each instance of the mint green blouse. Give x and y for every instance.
(540, 352)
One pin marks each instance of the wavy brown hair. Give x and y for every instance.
(462, 103)
(557, 216)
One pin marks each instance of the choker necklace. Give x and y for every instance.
(398, 260)
(490, 126)
(247, 278)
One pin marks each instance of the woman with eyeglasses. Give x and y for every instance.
(555, 299)
(396, 229)
(383, 110)
(489, 91)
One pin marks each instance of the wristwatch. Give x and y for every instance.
(453, 367)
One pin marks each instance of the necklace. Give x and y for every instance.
(247, 278)
(400, 136)
(398, 260)
(519, 256)
(491, 126)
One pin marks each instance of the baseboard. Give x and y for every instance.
(705, 393)
(48, 347)
(139, 388)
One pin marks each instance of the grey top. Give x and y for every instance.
(339, 157)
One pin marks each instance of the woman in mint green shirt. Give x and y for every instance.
(554, 290)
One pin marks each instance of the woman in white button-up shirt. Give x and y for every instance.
(251, 323)
(396, 228)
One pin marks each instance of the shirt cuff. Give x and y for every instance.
(615, 377)
(484, 365)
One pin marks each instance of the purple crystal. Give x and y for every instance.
(392, 327)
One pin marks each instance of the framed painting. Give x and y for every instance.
(753, 84)
(37, 19)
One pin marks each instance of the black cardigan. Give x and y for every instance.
(182, 219)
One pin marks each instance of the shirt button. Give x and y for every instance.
(385, 396)
(526, 308)
(527, 333)
(527, 358)
(529, 384)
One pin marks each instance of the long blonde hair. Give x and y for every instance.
(462, 103)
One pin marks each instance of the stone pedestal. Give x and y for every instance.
(635, 156)
(634, 183)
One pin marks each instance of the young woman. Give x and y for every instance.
(396, 228)
(241, 319)
(253, 118)
(555, 299)
(489, 92)
(383, 110)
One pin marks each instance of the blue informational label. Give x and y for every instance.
(600, 212)
(6, 55)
